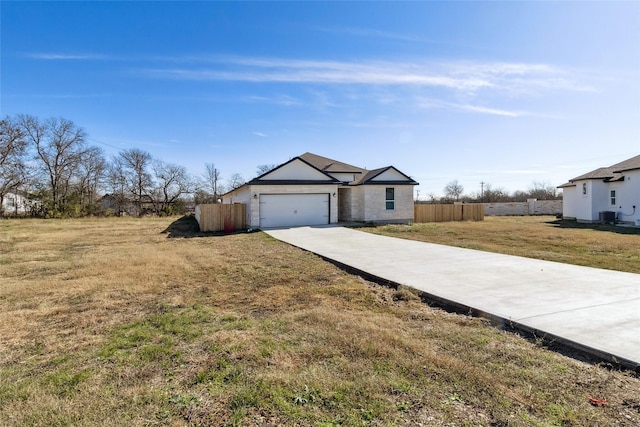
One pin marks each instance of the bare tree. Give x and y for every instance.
(236, 180)
(493, 195)
(91, 172)
(212, 178)
(133, 165)
(453, 190)
(60, 146)
(118, 186)
(542, 191)
(262, 169)
(12, 158)
(173, 182)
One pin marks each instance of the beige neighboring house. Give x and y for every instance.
(608, 194)
(315, 190)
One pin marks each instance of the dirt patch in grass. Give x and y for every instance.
(541, 237)
(109, 322)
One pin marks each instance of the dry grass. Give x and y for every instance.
(109, 322)
(541, 237)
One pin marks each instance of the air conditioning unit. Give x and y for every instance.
(607, 217)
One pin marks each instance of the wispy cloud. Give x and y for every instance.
(260, 134)
(327, 72)
(284, 100)
(55, 56)
(429, 103)
(486, 110)
(510, 78)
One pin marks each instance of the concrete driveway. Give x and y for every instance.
(588, 309)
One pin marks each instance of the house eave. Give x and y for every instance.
(292, 182)
(385, 183)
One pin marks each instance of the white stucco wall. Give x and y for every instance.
(569, 202)
(600, 198)
(587, 207)
(584, 201)
(627, 196)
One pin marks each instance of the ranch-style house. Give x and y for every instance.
(313, 190)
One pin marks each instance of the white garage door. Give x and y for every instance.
(283, 210)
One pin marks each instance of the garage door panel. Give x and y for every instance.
(282, 210)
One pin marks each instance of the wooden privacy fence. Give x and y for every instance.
(219, 217)
(443, 213)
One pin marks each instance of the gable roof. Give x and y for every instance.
(627, 165)
(371, 175)
(611, 173)
(326, 167)
(326, 164)
(261, 178)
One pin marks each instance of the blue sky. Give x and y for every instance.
(501, 92)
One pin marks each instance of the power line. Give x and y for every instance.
(104, 143)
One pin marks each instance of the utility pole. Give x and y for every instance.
(482, 191)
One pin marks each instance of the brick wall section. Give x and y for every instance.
(531, 207)
(375, 207)
(367, 201)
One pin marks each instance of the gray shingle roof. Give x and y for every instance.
(326, 164)
(627, 165)
(611, 173)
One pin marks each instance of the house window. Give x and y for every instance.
(390, 200)
(613, 197)
(11, 202)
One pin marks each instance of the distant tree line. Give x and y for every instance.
(454, 192)
(57, 173)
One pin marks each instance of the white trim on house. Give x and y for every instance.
(354, 194)
(294, 170)
(586, 196)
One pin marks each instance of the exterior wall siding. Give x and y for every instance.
(344, 204)
(628, 196)
(600, 199)
(569, 200)
(583, 201)
(587, 208)
(357, 204)
(375, 207)
(366, 203)
(254, 202)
